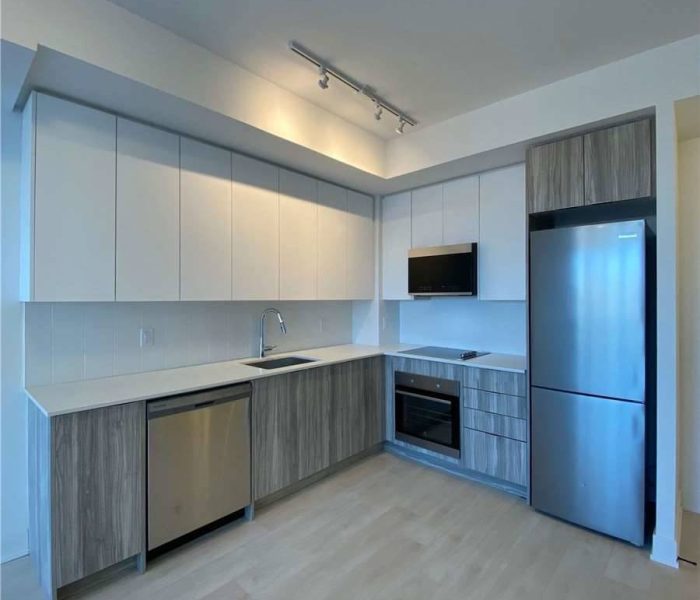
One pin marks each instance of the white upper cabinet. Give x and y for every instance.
(396, 242)
(426, 216)
(256, 229)
(502, 249)
(332, 241)
(460, 216)
(298, 236)
(205, 227)
(148, 213)
(68, 201)
(113, 209)
(360, 247)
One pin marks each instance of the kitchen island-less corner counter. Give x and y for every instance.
(63, 398)
(88, 440)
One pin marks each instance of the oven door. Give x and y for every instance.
(428, 420)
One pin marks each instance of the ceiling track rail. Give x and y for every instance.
(356, 86)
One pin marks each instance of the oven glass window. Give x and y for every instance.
(432, 419)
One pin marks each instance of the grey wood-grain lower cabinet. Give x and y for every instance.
(495, 424)
(290, 428)
(493, 419)
(496, 456)
(307, 421)
(357, 412)
(87, 491)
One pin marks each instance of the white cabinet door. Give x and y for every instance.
(360, 246)
(73, 202)
(332, 241)
(255, 229)
(460, 217)
(502, 247)
(396, 242)
(205, 222)
(298, 226)
(148, 213)
(426, 216)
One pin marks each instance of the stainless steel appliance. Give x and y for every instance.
(198, 460)
(442, 270)
(427, 412)
(587, 375)
(444, 353)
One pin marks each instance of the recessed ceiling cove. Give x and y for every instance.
(433, 59)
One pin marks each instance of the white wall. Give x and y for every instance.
(465, 323)
(110, 37)
(73, 341)
(689, 318)
(13, 455)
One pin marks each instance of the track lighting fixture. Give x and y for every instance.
(323, 78)
(378, 112)
(401, 125)
(361, 89)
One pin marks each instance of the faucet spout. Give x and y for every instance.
(264, 348)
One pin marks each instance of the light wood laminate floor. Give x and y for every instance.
(390, 529)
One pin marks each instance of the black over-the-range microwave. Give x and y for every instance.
(442, 270)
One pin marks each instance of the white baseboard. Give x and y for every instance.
(664, 550)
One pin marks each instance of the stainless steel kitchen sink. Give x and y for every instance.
(278, 363)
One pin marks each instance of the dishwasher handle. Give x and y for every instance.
(197, 400)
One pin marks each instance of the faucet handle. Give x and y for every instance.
(268, 348)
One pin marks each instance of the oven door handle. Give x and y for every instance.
(429, 398)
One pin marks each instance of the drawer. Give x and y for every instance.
(431, 368)
(501, 404)
(496, 456)
(497, 424)
(502, 382)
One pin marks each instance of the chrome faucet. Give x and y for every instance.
(283, 327)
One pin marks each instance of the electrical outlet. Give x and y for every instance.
(147, 336)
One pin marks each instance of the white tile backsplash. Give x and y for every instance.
(73, 341)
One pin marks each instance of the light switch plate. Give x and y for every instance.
(147, 336)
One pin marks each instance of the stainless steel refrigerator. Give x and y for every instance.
(587, 377)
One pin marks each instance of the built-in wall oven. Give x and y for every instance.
(426, 412)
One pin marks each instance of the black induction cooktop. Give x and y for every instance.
(444, 353)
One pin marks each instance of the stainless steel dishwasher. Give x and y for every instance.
(198, 460)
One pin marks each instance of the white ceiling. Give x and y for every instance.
(433, 59)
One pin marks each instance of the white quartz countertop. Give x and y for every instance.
(63, 398)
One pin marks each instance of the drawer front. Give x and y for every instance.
(496, 456)
(501, 404)
(429, 367)
(510, 427)
(502, 382)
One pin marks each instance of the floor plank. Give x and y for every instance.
(390, 529)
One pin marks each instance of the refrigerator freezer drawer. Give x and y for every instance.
(588, 462)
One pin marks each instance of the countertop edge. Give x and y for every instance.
(345, 353)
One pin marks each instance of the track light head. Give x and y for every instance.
(401, 125)
(323, 78)
(378, 112)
